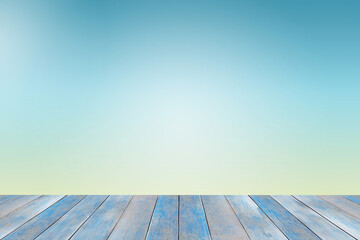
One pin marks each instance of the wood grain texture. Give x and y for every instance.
(67, 225)
(354, 198)
(21, 216)
(4, 198)
(164, 223)
(286, 222)
(192, 219)
(337, 216)
(15, 203)
(223, 223)
(102, 222)
(255, 222)
(135, 221)
(319, 225)
(41, 222)
(179, 217)
(344, 204)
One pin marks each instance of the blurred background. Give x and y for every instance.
(179, 97)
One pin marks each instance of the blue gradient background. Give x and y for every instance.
(180, 97)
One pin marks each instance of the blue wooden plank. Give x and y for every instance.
(15, 219)
(5, 198)
(135, 221)
(329, 217)
(223, 223)
(67, 225)
(164, 223)
(192, 223)
(15, 203)
(344, 204)
(340, 218)
(354, 198)
(319, 225)
(41, 222)
(286, 222)
(255, 222)
(102, 222)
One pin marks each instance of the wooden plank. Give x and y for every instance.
(223, 223)
(344, 204)
(15, 219)
(15, 203)
(135, 221)
(319, 225)
(164, 223)
(354, 198)
(5, 198)
(102, 222)
(337, 216)
(255, 222)
(67, 225)
(193, 224)
(285, 221)
(41, 222)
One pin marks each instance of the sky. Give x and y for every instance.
(179, 97)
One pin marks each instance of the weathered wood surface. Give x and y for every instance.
(354, 198)
(165, 221)
(67, 225)
(192, 218)
(254, 220)
(17, 202)
(134, 222)
(17, 218)
(5, 198)
(45, 219)
(344, 204)
(338, 217)
(223, 223)
(315, 222)
(290, 226)
(179, 217)
(102, 222)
